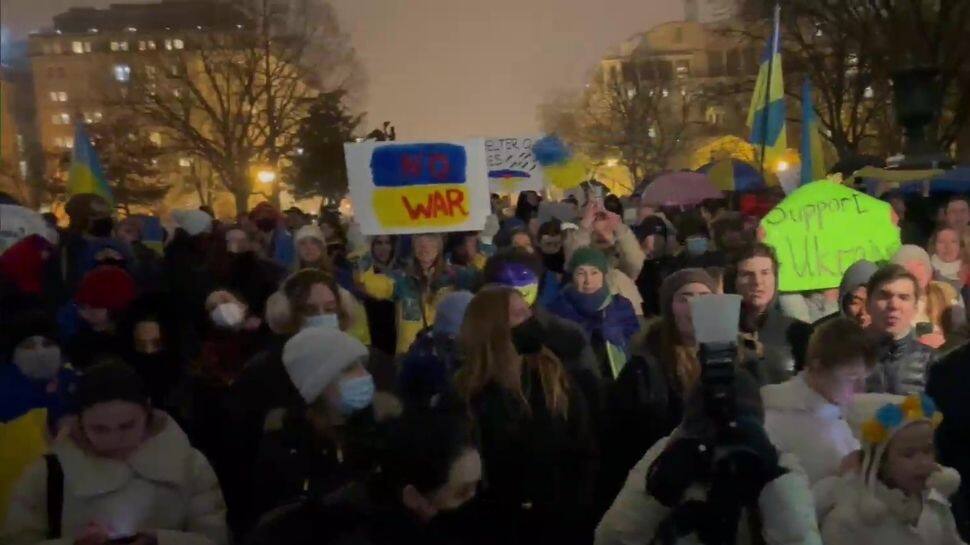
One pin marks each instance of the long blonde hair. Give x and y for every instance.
(485, 343)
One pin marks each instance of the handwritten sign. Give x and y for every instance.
(512, 166)
(418, 188)
(821, 229)
(17, 223)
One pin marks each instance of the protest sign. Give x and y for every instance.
(17, 223)
(418, 187)
(821, 229)
(512, 166)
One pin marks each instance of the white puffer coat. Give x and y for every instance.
(166, 487)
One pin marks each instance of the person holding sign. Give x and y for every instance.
(416, 289)
(902, 361)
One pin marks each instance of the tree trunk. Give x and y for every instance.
(242, 201)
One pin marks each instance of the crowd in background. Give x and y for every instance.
(281, 378)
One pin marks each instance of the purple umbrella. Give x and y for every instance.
(680, 189)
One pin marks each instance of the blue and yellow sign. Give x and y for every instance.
(421, 187)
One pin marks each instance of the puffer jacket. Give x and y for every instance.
(165, 487)
(785, 505)
(898, 521)
(801, 422)
(902, 367)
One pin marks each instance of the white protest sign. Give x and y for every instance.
(512, 166)
(17, 223)
(421, 187)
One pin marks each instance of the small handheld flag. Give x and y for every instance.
(86, 175)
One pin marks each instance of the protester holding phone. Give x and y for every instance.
(120, 473)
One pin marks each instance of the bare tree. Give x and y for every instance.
(641, 122)
(850, 50)
(235, 98)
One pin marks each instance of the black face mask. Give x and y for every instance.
(555, 262)
(266, 224)
(527, 337)
(120, 263)
(101, 227)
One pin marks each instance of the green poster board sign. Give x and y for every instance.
(821, 229)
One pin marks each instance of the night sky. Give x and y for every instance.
(456, 68)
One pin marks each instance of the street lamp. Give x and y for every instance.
(266, 176)
(782, 166)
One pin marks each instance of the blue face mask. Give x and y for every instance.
(356, 393)
(697, 245)
(322, 320)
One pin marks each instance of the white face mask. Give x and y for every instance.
(228, 315)
(322, 320)
(41, 363)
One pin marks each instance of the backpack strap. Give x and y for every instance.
(55, 496)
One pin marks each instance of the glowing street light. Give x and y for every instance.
(782, 166)
(266, 176)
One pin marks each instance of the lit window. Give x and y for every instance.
(185, 162)
(151, 45)
(142, 46)
(58, 96)
(119, 46)
(665, 93)
(155, 138)
(23, 169)
(869, 92)
(61, 119)
(87, 47)
(168, 45)
(178, 44)
(177, 93)
(93, 117)
(652, 132)
(77, 47)
(122, 73)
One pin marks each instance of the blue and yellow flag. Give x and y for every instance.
(86, 175)
(813, 159)
(766, 117)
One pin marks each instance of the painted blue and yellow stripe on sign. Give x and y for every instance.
(420, 184)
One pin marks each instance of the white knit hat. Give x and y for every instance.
(193, 222)
(309, 231)
(315, 357)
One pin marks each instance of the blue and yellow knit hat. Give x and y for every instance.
(892, 417)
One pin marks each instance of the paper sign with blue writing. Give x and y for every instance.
(512, 166)
(821, 229)
(403, 188)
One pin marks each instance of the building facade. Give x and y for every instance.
(84, 64)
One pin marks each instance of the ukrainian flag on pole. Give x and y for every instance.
(86, 175)
(813, 159)
(766, 117)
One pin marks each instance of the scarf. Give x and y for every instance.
(589, 305)
(950, 271)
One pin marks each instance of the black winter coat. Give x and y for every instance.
(948, 379)
(539, 469)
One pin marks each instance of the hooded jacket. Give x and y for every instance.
(165, 487)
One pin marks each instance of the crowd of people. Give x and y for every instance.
(280, 378)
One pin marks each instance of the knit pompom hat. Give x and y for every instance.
(877, 418)
(315, 357)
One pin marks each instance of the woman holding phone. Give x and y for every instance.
(120, 473)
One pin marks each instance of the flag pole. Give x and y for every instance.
(776, 27)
